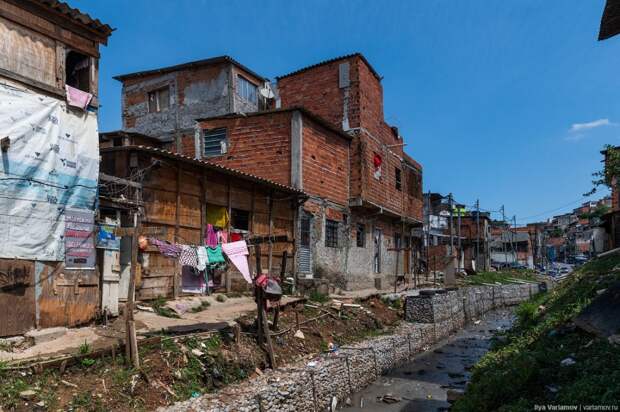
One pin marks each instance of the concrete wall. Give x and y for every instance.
(198, 92)
(313, 386)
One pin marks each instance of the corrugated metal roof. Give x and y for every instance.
(206, 164)
(77, 15)
(188, 65)
(335, 59)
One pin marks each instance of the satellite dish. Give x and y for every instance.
(266, 91)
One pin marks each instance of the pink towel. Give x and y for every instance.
(238, 253)
(77, 97)
(211, 236)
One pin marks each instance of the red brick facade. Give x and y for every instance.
(358, 109)
(261, 144)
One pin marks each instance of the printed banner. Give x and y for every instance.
(51, 165)
(79, 239)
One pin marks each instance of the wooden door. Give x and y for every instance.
(17, 303)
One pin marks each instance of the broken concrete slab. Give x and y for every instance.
(46, 335)
(602, 316)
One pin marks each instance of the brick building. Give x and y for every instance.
(385, 184)
(324, 133)
(164, 103)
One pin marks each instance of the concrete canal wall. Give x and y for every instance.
(430, 317)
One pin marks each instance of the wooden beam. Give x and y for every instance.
(113, 179)
(270, 230)
(228, 279)
(176, 287)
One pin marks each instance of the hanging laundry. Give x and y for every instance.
(203, 258)
(188, 256)
(237, 252)
(235, 237)
(217, 215)
(77, 97)
(215, 255)
(190, 281)
(210, 236)
(166, 248)
(222, 236)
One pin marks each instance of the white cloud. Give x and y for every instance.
(580, 127)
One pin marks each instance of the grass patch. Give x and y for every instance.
(159, 306)
(84, 348)
(318, 297)
(220, 298)
(204, 305)
(523, 369)
(502, 277)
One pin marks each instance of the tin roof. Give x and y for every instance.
(206, 164)
(190, 65)
(62, 9)
(335, 59)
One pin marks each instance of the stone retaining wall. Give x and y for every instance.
(313, 386)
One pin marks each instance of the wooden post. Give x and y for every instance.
(283, 266)
(270, 230)
(177, 220)
(228, 279)
(131, 343)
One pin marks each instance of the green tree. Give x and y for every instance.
(611, 170)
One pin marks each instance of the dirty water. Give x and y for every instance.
(422, 384)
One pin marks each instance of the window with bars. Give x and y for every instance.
(247, 90)
(331, 233)
(360, 235)
(215, 142)
(397, 179)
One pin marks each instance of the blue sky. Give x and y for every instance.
(506, 101)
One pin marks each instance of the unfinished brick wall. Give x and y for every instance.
(319, 90)
(260, 145)
(325, 163)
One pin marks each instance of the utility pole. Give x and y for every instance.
(477, 232)
(458, 232)
(512, 237)
(502, 235)
(451, 225)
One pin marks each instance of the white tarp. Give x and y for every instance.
(51, 167)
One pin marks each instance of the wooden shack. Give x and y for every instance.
(174, 194)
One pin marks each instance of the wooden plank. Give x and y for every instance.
(113, 179)
(17, 297)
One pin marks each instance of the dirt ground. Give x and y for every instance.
(176, 368)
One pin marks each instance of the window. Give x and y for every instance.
(331, 233)
(77, 71)
(414, 184)
(239, 219)
(305, 230)
(246, 90)
(159, 100)
(397, 240)
(360, 235)
(215, 142)
(397, 178)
